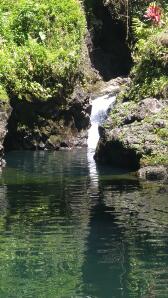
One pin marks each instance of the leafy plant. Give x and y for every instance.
(149, 53)
(40, 47)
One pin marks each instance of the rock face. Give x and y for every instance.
(135, 136)
(109, 51)
(5, 111)
(49, 125)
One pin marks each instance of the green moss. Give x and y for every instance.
(40, 47)
(123, 111)
(162, 133)
(154, 159)
(158, 157)
(3, 95)
(55, 139)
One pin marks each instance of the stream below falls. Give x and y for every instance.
(72, 229)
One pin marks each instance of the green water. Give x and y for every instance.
(69, 230)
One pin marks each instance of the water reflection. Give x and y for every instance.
(127, 244)
(42, 247)
(70, 230)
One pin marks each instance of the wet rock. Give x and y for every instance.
(153, 173)
(50, 125)
(112, 87)
(135, 136)
(5, 111)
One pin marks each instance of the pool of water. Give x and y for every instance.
(69, 229)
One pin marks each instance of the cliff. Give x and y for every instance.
(44, 69)
(5, 111)
(135, 133)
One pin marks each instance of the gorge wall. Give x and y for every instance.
(44, 118)
(50, 92)
(5, 111)
(49, 125)
(135, 133)
(108, 46)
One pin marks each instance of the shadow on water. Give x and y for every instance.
(70, 229)
(127, 244)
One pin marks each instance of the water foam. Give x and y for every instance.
(100, 106)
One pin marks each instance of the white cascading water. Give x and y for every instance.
(100, 106)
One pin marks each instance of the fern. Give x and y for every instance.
(140, 29)
(142, 32)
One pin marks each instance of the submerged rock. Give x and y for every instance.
(141, 205)
(153, 173)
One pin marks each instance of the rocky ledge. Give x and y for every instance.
(5, 111)
(49, 125)
(135, 136)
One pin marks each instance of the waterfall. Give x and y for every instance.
(100, 106)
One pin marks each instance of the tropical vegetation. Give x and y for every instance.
(40, 47)
(150, 52)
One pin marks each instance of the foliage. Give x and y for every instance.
(3, 95)
(134, 7)
(150, 56)
(150, 73)
(40, 46)
(124, 10)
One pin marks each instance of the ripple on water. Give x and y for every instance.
(71, 229)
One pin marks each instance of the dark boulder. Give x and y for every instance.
(49, 125)
(5, 111)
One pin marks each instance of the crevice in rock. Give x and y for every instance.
(108, 48)
(116, 154)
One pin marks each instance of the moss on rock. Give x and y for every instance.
(138, 124)
(135, 135)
